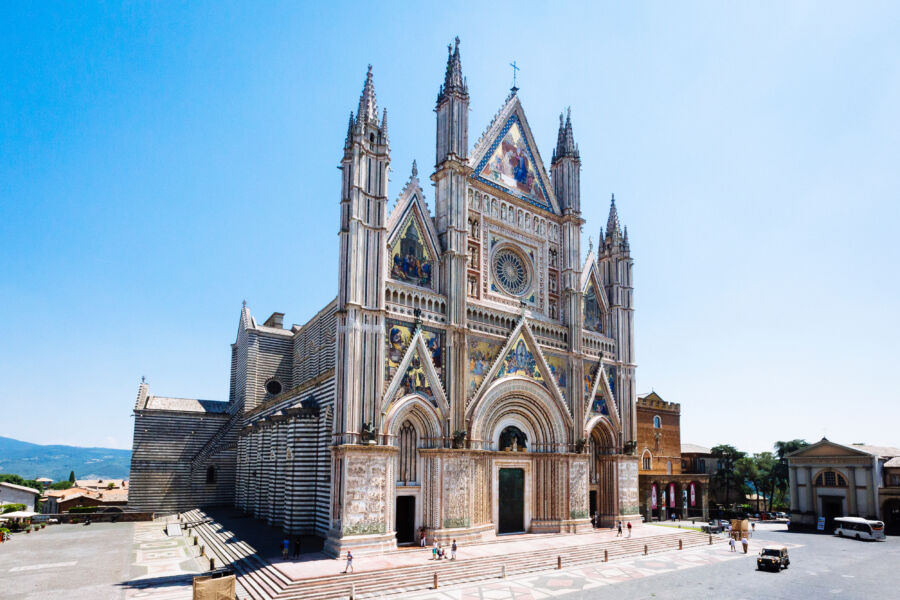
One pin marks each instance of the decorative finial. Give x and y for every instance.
(415, 169)
(456, 39)
(143, 379)
(614, 200)
(590, 245)
(243, 304)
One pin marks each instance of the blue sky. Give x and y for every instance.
(161, 162)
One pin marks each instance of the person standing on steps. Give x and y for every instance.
(422, 537)
(618, 528)
(453, 551)
(629, 528)
(296, 546)
(285, 545)
(349, 562)
(434, 550)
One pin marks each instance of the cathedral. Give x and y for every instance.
(474, 375)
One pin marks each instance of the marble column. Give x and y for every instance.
(795, 498)
(810, 499)
(870, 492)
(851, 494)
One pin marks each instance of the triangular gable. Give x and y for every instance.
(416, 375)
(506, 158)
(521, 356)
(413, 256)
(596, 379)
(825, 447)
(593, 303)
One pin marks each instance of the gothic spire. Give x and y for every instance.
(384, 130)
(565, 138)
(453, 78)
(349, 131)
(612, 223)
(368, 110)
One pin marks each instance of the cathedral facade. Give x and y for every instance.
(474, 376)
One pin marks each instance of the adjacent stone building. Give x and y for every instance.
(10, 493)
(831, 480)
(669, 483)
(474, 374)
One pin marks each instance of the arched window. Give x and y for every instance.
(512, 439)
(657, 422)
(647, 460)
(210, 474)
(408, 441)
(830, 479)
(668, 467)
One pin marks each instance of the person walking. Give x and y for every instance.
(618, 528)
(629, 528)
(453, 551)
(285, 545)
(422, 537)
(349, 566)
(745, 543)
(434, 550)
(731, 543)
(296, 546)
(752, 528)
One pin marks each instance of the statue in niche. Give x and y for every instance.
(512, 439)
(367, 435)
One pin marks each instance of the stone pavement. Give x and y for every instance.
(314, 565)
(551, 584)
(163, 567)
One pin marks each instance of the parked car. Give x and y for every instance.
(712, 527)
(781, 515)
(773, 558)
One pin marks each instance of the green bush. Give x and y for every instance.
(83, 509)
(61, 485)
(11, 508)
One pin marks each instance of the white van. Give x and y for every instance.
(859, 528)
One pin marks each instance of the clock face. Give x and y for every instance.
(511, 272)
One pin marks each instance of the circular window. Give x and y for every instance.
(511, 272)
(273, 386)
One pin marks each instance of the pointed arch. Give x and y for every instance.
(418, 348)
(546, 375)
(425, 417)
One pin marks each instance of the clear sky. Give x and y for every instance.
(161, 162)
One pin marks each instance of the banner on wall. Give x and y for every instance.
(653, 496)
(671, 495)
(693, 495)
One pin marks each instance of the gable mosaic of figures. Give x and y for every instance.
(444, 379)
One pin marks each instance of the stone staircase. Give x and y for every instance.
(258, 580)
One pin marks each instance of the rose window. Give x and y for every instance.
(511, 272)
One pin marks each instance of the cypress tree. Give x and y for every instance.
(72, 476)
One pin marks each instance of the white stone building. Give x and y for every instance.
(474, 374)
(831, 480)
(11, 493)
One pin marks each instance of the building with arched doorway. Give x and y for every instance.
(474, 375)
(671, 484)
(831, 480)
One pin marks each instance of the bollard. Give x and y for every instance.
(212, 563)
(435, 581)
(559, 562)
(606, 556)
(352, 591)
(710, 539)
(502, 571)
(645, 549)
(202, 550)
(681, 544)
(195, 540)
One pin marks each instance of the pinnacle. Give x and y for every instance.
(565, 138)
(612, 223)
(368, 109)
(453, 78)
(415, 169)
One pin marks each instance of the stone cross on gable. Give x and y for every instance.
(516, 70)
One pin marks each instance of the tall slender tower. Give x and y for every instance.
(451, 170)
(616, 264)
(565, 172)
(360, 310)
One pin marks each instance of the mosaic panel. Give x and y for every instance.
(411, 261)
(519, 361)
(482, 354)
(511, 166)
(558, 367)
(593, 316)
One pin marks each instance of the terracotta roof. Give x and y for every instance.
(21, 488)
(884, 451)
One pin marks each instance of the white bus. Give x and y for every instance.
(858, 528)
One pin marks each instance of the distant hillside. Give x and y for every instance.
(33, 460)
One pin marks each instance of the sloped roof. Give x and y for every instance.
(894, 462)
(883, 451)
(186, 405)
(21, 488)
(694, 449)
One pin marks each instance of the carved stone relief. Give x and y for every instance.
(366, 491)
(628, 486)
(457, 506)
(578, 488)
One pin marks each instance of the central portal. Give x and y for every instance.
(511, 501)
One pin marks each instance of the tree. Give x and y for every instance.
(61, 485)
(726, 456)
(780, 479)
(72, 476)
(746, 476)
